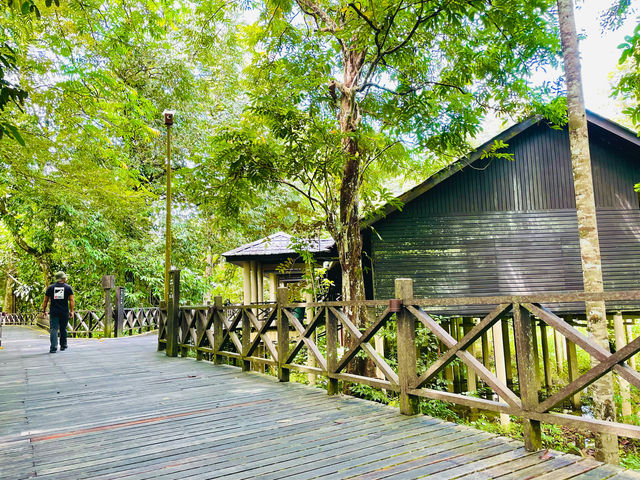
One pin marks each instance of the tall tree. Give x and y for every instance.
(602, 390)
(81, 193)
(345, 93)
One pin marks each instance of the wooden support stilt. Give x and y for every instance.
(472, 385)
(508, 365)
(246, 282)
(273, 286)
(572, 367)
(486, 357)
(457, 368)
(472, 378)
(448, 371)
(621, 341)
(546, 361)
(536, 354)
(253, 281)
(557, 337)
(501, 371)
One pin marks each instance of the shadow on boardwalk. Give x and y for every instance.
(118, 409)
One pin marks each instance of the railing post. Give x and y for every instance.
(246, 340)
(162, 326)
(283, 333)
(201, 324)
(173, 312)
(409, 404)
(108, 282)
(331, 329)
(522, 327)
(218, 334)
(119, 311)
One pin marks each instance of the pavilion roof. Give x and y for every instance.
(278, 244)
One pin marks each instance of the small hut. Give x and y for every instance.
(274, 258)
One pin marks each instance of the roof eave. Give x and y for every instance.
(614, 128)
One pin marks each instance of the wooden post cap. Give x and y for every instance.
(108, 282)
(395, 305)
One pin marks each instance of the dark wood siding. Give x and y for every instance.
(481, 254)
(502, 253)
(510, 227)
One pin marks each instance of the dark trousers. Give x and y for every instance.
(58, 323)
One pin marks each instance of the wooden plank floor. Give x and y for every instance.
(118, 409)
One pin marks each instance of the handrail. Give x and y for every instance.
(236, 333)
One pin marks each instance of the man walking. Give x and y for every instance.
(60, 294)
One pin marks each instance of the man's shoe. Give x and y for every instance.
(63, 348)
(52, 351)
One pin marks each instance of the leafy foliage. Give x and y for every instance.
(82, 170)
(628, 87)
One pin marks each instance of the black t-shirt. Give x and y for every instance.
(58, 294)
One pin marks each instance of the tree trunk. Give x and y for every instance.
(602, 390)
(8, 294)
(45, 268)
(348, 238)
(208, 271)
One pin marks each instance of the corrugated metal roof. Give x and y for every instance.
(278, 244)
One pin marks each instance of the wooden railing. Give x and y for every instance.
(112, 321)
(16, 319)
(234, 332)
(19, 318)
(90, 323)
(140, 320)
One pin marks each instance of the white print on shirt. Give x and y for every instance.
(58, 293)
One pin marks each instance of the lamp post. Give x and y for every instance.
(168, 121)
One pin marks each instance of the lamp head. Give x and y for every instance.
(168, 117)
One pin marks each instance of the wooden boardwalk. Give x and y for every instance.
(118, 409)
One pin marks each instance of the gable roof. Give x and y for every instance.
(277, 244)
(504, 136)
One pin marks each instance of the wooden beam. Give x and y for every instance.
(283, 334)
(522, 327)
(592, 348)
(368, 349)
(483, 372)
(476, 332)
(597, 371)
(406, 336)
